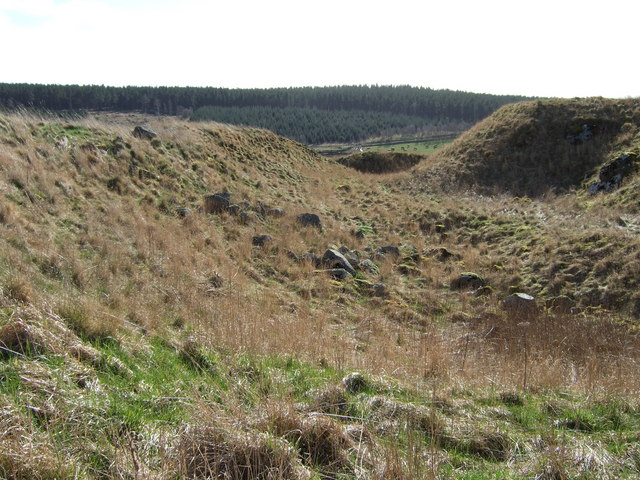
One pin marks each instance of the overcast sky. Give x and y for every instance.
(562, 48)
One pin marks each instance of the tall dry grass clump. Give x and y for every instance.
(215, 452)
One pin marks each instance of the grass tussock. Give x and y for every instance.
(225, 453)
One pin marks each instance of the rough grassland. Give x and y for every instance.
(145, 334)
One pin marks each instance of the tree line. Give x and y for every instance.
(314, 126)
(307, 114)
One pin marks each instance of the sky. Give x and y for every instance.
(549, 48)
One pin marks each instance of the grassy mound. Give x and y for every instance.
(532, 147)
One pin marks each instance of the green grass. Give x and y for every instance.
(58, 131)
(422, 148)
(157, 386)
(408, 145)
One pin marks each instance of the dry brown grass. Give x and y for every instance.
(93, 252)
(126, 259)
(225, 452)
(25, 453)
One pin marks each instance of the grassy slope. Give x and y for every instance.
(530, 148)
(139, 343)
(570, 242)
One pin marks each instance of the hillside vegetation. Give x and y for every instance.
(221, 302)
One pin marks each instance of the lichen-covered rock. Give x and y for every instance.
(369, 266)
(483, 291)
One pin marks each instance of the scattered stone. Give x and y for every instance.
(275, 212)
(63, 143)
(442, 254)
(118, 144)
(334, 259)
(144, 133)
(520, 304)
(379, 290)
(585, 133)
(360, 233)
(619, 167)
(350, 255)
(309, 257)
(217, 203)
(158, 270)
(248, 217)
(339, 274)
(468, 281)
(309, 220)
(389, 250)
(561, 304)
(612, 173)
(354, 382)
(369, 266)
(261, 208)
(261, 240)
(408, 269)
(234, 209)
(183, 212)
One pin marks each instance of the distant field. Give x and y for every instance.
(410, 147)
(424, 146)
